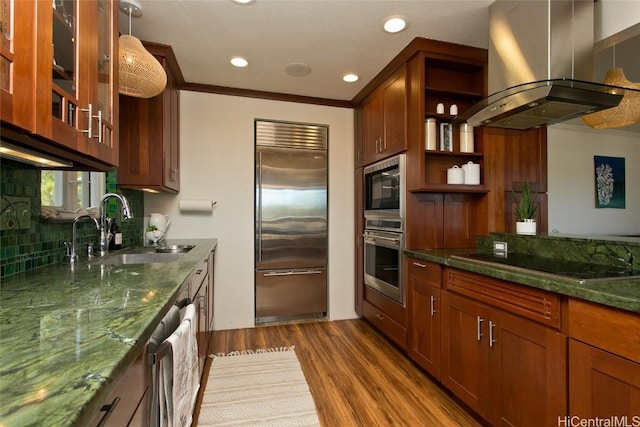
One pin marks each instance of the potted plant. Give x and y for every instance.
(153, 234)
(525, 212)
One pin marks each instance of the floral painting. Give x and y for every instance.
(609, 180)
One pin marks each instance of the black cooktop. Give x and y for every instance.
(571, 269)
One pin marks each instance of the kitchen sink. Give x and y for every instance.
(174, 249)
(138, 258)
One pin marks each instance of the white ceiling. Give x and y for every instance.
(333, 37)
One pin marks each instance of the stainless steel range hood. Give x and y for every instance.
(539, 103)
(540, 65)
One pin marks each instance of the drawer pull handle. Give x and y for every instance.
(479, 321)
(433, 306)
(417, 264)
(492, 340)
(108, 410)
(379, 316)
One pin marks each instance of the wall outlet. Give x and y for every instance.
(499, 247)
(15, 213)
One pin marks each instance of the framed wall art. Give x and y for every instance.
(609, 173)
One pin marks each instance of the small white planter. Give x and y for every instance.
(527, 226)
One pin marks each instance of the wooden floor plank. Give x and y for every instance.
(356, 377)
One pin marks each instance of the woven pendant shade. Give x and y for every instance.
(141, 75)
(626, 113)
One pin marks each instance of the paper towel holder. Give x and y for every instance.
(197, 205)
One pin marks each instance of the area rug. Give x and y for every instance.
(257, 388)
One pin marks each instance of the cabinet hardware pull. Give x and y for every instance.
(89, 130)
(108, 409)
(417, 264)
(479, 321)
(433, 306)
(292, 273)
(492, 340)
(379, 316)
(99, 126)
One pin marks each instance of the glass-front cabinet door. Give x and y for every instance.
(6, 60)
(17, 56)
(101, 141)
(57, 103)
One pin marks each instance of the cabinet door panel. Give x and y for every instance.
(424, 326)
(465, 351)
(602, 384)
(529, 382)
(395, 113)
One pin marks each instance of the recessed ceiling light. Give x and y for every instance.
(244, 1)
(350, 78)
(395, 24)
(239, 62)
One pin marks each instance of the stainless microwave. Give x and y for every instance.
(384, 188)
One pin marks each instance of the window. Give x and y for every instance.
(70, 192)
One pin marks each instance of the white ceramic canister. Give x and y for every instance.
(471, 173)
(466, 138)
(160, 221)
(430, 134)
(455, 175)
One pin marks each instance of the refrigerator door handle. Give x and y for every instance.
(259, 208)
(292, 273)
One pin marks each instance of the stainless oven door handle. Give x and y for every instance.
(373, 239)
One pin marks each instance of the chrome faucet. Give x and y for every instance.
(73, 255)
(105, 232)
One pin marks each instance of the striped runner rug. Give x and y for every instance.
(257, 388)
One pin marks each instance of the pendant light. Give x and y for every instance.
(627, 112)
(141, 75)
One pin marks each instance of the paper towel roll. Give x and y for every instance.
(196, 205)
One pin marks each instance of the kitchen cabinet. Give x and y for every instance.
(200, 291)
(386, 315)
(502, 351)
(450, 75)
(604, 362)
(384, 119)
(150, 133)
(424, 281)
(58, 89)
(442, 220)
(17, 59)
(447, 74)
(128, 403)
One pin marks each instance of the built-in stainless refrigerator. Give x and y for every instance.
(290, 221)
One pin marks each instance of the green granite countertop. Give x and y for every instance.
(67, 336)
(619, 293)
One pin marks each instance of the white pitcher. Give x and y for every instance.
(161, 221)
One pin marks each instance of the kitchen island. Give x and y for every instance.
(67, 335)
(548, 331)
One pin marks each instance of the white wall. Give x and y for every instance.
(614, 16)
(217, 163)
(572, 210)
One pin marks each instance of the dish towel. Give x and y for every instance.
(179, 382)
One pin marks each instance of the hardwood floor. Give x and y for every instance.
(356, 377)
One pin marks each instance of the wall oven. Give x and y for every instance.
(384, 184)
(383, 246)
(384, 207)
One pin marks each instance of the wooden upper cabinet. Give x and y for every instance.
(63, 83)
(150, 133)
(385, 119)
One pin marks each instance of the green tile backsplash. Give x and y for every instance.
(42, 244)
